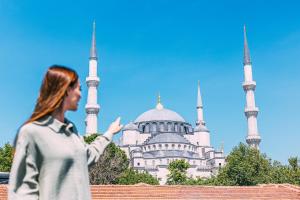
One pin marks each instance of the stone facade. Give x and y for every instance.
(160, 136)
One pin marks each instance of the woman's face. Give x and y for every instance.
(73, 97)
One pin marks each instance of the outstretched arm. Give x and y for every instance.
(96, 148)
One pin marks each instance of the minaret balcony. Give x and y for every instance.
(92, 109)
(249, 85)
(251, 111)
(92, 81)
(253, 139)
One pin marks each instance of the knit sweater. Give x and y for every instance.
(51, 161)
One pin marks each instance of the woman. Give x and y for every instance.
(51, 160)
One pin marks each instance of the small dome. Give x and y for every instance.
(201, 128)
(130, 126)
(167, 138)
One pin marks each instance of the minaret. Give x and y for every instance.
(92, 108)
(201, 133)
(200, 120)
(253, 139)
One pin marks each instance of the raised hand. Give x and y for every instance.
(115, 127)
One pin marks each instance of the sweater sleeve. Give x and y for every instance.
(97, 147)
(23, 180)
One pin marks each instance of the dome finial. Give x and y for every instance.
(159, 106)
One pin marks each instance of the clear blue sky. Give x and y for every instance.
(165, 46)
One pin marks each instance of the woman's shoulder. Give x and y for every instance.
(28, 129)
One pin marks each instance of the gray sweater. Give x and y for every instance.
(51, 162)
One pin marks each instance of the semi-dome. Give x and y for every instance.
(167, 138)
(130, 126)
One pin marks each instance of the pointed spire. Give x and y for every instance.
(199, 99)
(247, 60)
(159, 106)
(222, 146)
(93, 52)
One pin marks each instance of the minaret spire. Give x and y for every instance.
(200, 120)
(93, 52)
(251, 111)
(92, 107)
(247, 60)
(199, 99)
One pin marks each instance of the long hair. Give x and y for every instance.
(53, 90)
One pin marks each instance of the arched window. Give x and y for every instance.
(147, 128)
(181, 128)
(176, 127)
(166, 145)
(159, 146)
(154, 127)
(169, 127)
(161, 127)
(173, 146)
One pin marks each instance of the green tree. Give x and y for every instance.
(6, 157)
(178, 172)
(245, 166)
(293, 162)
(112, 163)
(130, 177)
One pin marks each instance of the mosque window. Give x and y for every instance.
(173, 146)
(149, 147)
(162, 127)
(184, 146)
(147, 128)
(176, 127)
(169, 127)
(181, 128)
(179, 146)
(154, 127)
(166, 145)
(154, 147)
(186, 129)
(138, 164)
(159, 146)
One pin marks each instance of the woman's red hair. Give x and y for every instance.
(53, 90)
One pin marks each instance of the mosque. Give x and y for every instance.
(160, 135)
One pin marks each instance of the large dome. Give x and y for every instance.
(159, 114)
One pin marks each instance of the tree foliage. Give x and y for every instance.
(6, 157)
(130, 177)
(178, 171)
(245, 166)
(112, 163)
